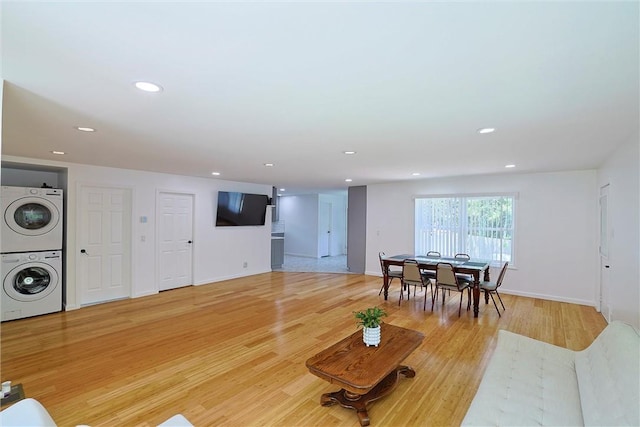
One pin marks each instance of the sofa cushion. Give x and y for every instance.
(527, 382)
(608, 374)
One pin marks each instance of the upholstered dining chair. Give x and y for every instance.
(446, 279)
(430, 273)
(412, 276)
(393, 274)
(462, 276)
(491, 288)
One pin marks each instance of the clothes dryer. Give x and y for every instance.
(31, 284)
(32, 219)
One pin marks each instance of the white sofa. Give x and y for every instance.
(530, 382)
(30, 413)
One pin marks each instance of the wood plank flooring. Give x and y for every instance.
(233, 353)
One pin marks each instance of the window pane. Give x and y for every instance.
(479, 226)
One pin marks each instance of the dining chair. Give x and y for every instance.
(431, 274)
(446, 280)
(411, 275)
(462, 276)
(491, 288)
(393, 274)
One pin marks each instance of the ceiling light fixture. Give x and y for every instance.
(416, 174)
(84, 129)
(148, 86)
(486, 130)
(269, 165)
(509, 166)
(348, 180)
(282, 189)
(215, 173)
(58, 153)
(348, 152)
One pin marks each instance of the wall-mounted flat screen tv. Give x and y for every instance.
(238, 209)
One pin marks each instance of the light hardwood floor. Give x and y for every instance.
(233, 353)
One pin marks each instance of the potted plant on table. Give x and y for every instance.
(370, 320)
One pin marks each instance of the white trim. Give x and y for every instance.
(513, 194)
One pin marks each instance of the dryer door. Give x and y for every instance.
(30, 281)
(32, 216)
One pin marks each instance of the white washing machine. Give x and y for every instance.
(31, 284)
(32, 219)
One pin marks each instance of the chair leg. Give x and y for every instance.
(401, 291)
(433, 297)
(494, 303)
(390, 280)
(424, 308)
(460, 307)
(500, 299)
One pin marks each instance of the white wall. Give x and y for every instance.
(300, 217)
(219, 252)
(555, 243)
(621, 172)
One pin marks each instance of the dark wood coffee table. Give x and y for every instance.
(365, 373)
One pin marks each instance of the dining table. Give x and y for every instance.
(473, 267)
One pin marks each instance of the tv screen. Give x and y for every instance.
(241, 209)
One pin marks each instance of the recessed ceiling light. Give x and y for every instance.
(59, 153)
(282, 189)
(416, 174)
(349, 152)
(148, 86)
(269, 165)
(509, 166)
(348, 180)
(84, 129)
(215, 173)
(486, 130)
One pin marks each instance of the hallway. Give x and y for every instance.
(332, 264)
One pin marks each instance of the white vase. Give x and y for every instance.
(371, 336)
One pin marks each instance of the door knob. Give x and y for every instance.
(189, 241)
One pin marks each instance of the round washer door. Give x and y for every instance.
(32, 216)
(31, 281)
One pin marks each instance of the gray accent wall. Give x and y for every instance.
(357, 229)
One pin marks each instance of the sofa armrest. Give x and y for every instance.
(608, 374)
(176, 421)
(26, 413)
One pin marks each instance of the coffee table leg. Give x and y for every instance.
(358, 402)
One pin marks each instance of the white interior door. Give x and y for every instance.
(175, 240)
(324, 229)
(104, 236)
(605, 257)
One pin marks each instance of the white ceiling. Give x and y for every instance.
(405, 84)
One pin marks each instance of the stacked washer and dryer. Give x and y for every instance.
(31, 251)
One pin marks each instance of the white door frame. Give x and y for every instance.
(326, 234)
(604, 252)
(159, 192)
